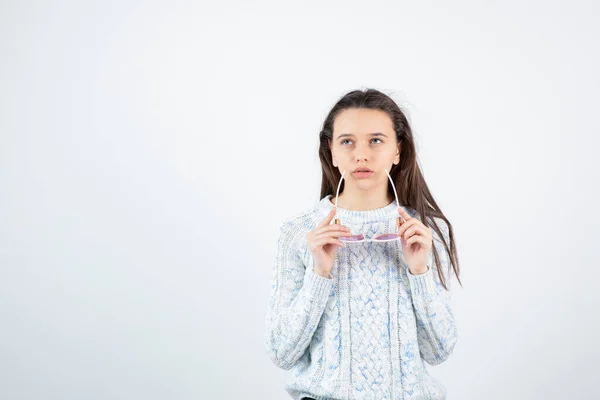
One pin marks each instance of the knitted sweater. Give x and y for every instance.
(366, 331)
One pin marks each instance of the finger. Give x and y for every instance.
(414, 229)
(334, 234)
(332, 228)
(329, 230)
(405, 216)
(417, 239)
(327, 219)
(323, 241)
(409, 223)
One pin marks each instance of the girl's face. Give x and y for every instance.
(364, 138)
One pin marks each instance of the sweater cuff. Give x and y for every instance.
(318, 285)
(422, 285)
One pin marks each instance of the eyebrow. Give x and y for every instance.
(350, 134)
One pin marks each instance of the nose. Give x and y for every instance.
(360, 154)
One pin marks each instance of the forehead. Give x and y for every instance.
(362, 122)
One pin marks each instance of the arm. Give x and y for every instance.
(298, 297)
(436, 327)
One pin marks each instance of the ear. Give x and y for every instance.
(397, 158)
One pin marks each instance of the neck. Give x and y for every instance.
(363, 200)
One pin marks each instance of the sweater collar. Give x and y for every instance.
(384, 213)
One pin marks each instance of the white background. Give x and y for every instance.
(150, 150)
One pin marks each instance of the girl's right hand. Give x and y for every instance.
(323, 243)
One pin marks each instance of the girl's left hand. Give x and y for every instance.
(417, 241)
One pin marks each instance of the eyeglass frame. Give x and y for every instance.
(399, 220)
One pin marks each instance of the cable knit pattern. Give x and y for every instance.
(367, 331)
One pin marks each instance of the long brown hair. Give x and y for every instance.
(410, 184)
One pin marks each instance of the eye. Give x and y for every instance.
(346, 140)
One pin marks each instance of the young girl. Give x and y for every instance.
(359, 304)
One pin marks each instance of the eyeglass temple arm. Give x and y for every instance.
(337, 220)
(400, 219)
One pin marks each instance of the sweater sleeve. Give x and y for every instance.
(437, 333)
(298, 297)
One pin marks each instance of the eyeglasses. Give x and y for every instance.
(360, 238)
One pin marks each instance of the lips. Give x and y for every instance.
(362, 174)
(362, 170)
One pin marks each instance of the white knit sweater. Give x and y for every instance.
(366, 332)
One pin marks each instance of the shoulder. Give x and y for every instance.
(295, 227)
